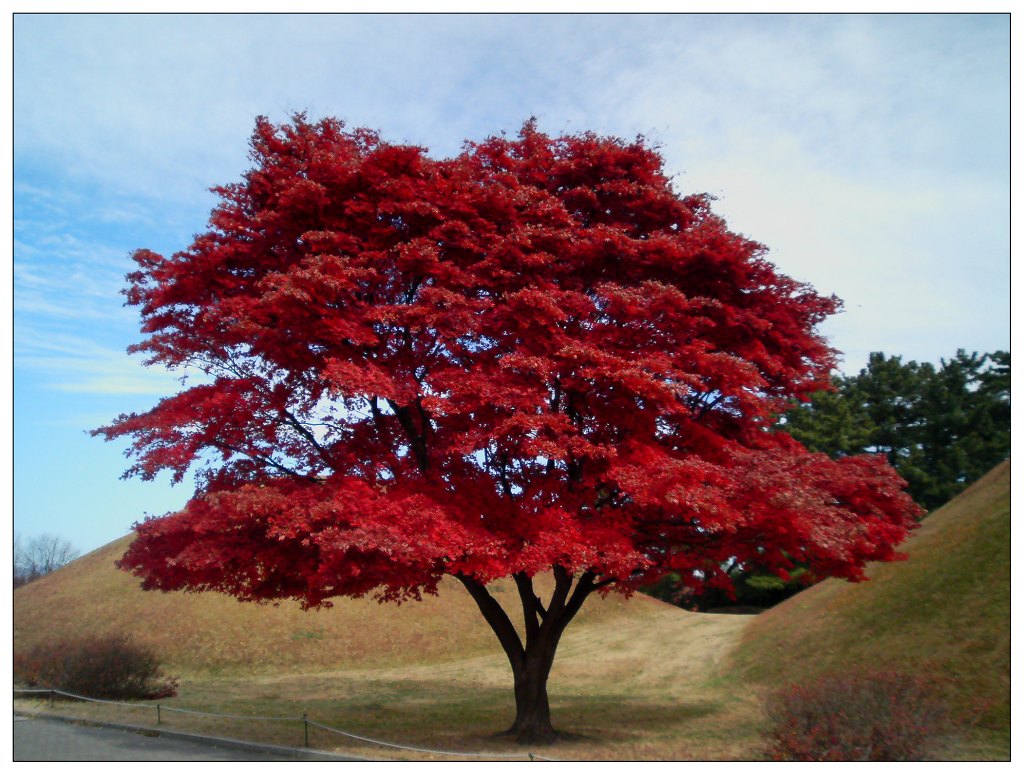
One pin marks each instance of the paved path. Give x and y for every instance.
(46, 740)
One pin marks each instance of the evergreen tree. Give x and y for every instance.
(940, 427)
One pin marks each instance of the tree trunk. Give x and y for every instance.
(533, 714)
(531, 663)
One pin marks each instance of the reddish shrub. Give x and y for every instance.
(876, 716)
(104, 667)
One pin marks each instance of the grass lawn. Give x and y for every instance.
(636, 691)
(634, 679)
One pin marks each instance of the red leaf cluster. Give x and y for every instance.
(534, 353)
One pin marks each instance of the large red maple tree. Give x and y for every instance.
(533, 357)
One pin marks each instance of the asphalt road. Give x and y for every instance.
(58, 741)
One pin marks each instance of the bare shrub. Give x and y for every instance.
(104, 667)
(875, 716)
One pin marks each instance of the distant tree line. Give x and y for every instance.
(40, 555)
(941, 427)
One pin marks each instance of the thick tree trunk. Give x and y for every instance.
(531, 664)
(533, 713)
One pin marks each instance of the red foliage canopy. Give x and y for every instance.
(532, 355)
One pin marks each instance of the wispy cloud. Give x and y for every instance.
(75, 364)
(52, 281)
(868, 152)
(117, 381)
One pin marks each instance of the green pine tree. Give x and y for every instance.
(941, 428)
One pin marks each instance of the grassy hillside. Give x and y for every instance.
(945, 612)
(634, 679)
(210, 632)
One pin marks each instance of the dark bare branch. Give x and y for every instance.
(533, 610)
(264, 459)
(303, 431)
(506, 486)
(584, 587)
(416, 436)
(563, 583)
(496, 617)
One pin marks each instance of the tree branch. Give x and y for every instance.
(563, 583)
(533, 609)
(583, 589)
(294, 422)
(263, 459)
(503, 474)
(498, 620)
(416, 438)
(562, 607)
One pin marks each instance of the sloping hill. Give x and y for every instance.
(944, 612)
(637, 679)
(212, 632)
(634, 679)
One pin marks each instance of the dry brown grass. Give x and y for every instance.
(213, 633)
(944, 613)
(634, 679)
(635, 690)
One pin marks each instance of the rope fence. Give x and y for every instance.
(306, 722)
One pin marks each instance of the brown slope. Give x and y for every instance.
(943, 613)
(210, 632)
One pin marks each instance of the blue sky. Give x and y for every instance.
(869, 153)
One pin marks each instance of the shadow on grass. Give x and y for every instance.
(441, 714)
(435, 715)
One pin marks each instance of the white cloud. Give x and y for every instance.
(78, 364)
(870, 155)
(850, 145)
(868, 152)
(52, 282)
(119, 379)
